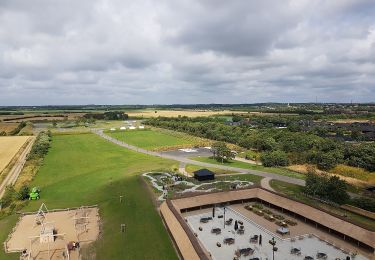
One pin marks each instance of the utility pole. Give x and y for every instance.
(224, 217)
(273, 243)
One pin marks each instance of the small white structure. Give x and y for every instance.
(122, 128)
(188, 150)
(141, 127)
(112, 129)
(131, 127)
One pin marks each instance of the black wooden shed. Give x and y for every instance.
(204, 175)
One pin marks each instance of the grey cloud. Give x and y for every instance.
(188, 51)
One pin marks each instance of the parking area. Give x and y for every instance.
(193, 152)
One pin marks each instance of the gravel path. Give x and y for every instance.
(189, 161)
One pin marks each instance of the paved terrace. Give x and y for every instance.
(319, 218)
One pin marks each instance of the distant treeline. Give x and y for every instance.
(112, 115)
(298, 108)
(300, 147)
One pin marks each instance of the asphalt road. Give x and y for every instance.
(168, 155)
(13, 174)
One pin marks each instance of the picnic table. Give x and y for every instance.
(229, 221)
(295, 251)
(240, 231)
(244, 251)
(321, 255)
(216, 231)
(229, 240)
(254, 239)
(205, 219)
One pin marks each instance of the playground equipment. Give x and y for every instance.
(34, 194)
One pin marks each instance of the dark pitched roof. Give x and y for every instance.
(204, 172)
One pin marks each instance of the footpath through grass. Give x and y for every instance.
(153, 139)
(85, 170)
(244, 165)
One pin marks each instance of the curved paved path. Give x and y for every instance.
(189, 161)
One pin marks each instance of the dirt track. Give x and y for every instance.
(13, 174)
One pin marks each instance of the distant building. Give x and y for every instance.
(204, 175)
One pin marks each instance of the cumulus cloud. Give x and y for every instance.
(188, 51)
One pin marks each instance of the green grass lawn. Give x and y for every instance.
(296, 192)
(85, 170)
(239, 164)
(152, 139)
(190, 168)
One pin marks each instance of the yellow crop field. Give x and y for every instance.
(176, 113)
(9, 146)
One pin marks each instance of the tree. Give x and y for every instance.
(327, 188)
(274, 158)
(221, 152)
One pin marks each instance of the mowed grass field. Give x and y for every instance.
(85, 170)
(244, 165)
(9, 146)
(153, 139)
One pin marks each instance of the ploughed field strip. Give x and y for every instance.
(55, 234)
(251, 240)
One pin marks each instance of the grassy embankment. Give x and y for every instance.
(244, 165)
(84, 170)
(296, 192)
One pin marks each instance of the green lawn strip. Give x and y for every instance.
(85, 170)
(150, 139)
(296, 192)
(190, 168)
(241, 177)
(244, 165)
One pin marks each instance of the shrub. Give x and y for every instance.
(363, 203)
(291, 222)
(24, 192)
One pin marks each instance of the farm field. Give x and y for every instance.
(9, 146)
(176, 113)
(155, 139)
(86, 170)
(244, 165)
(7, 127)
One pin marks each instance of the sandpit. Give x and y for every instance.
(49, 234)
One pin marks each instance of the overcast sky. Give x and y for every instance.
(163, 52)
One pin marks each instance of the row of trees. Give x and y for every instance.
(110, 115)
(287, 146)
